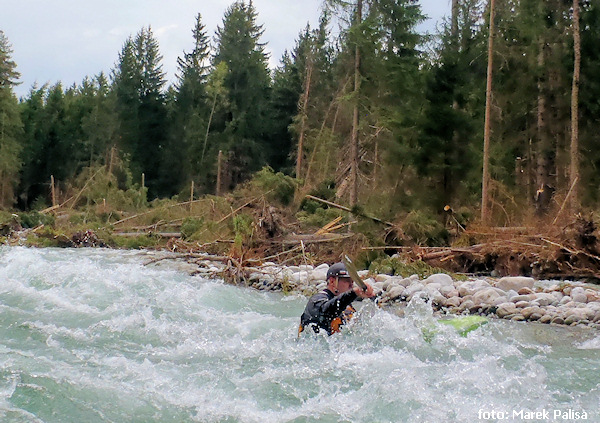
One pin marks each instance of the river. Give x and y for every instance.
(98, 335)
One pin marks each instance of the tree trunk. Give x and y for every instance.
(355, 121)
(304, 111)
(574, 172)
(454, 27)
(485, 202)
(219, 171)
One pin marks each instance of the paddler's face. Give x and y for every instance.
(343, 285)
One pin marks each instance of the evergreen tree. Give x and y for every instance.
(446, 151)
(245, 128)
(10, 125)
(138, 81)
(189, 113)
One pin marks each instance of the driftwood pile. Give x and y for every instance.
(571, 253)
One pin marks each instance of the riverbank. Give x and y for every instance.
(513, 298)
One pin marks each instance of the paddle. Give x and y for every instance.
(351, 268)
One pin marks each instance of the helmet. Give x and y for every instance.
(337, 270)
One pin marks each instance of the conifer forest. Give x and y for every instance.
(493, 119)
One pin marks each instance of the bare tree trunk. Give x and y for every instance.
(210, 118)
(574, 173)
(219, 171)
(355, 121)
(304, 111)
(485, 202)
(454, 27)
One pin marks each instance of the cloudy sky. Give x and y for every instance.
(66, 40)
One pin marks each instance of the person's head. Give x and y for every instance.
(338, 279)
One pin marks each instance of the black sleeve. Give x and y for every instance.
(322, 310)
(338, 304)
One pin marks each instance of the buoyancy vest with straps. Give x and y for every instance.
(327, 311)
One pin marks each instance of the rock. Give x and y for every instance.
(452, 302)
(557, 320)
(471, 287)
(592, 295)
(578, 295)
(441, 278)
(515, 283)
(501, 299)
(486, 296)
(415, 287)
(405, 282)
(528, 297)
(536, 316)
(448, 291)
(511, 293)
(566, 299)
(299, 277)
(306, 267)
(382, 278)
(506, 309)
(395, 292)
(466, 305)
(527, 312)
(318, 275)
(517, 318)
(522, 304)
(525, 291)
(546, 318)
(597, 317)
(544, 299)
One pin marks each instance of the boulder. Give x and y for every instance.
(544, 299)
(506, 309)
(395, 292)
(448, 291)
(454, 302)
(578, 295)
(318, 274)
(528, 297)
(441, 278)
(471, 287)
(515, 283)
(382, 278)
(528, 312)
(485, 296)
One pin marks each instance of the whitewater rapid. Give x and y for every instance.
(97, 335)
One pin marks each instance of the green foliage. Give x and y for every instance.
(137, 242)
(34, 219)
(276, 186)
(320, 217)
(190, 227)
(424, 229)
(100, 188)
(243, 228)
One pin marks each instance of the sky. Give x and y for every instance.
(67, 40)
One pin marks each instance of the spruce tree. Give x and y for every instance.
(244, 128)
(138, 80)
(10, 125)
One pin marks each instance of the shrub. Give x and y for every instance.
(280, 187)
(424, 229)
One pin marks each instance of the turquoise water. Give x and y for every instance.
(99, 336)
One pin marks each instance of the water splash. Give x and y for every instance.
(97, 336)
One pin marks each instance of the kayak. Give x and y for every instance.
(462, 324)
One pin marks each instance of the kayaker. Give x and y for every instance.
(332, 307)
